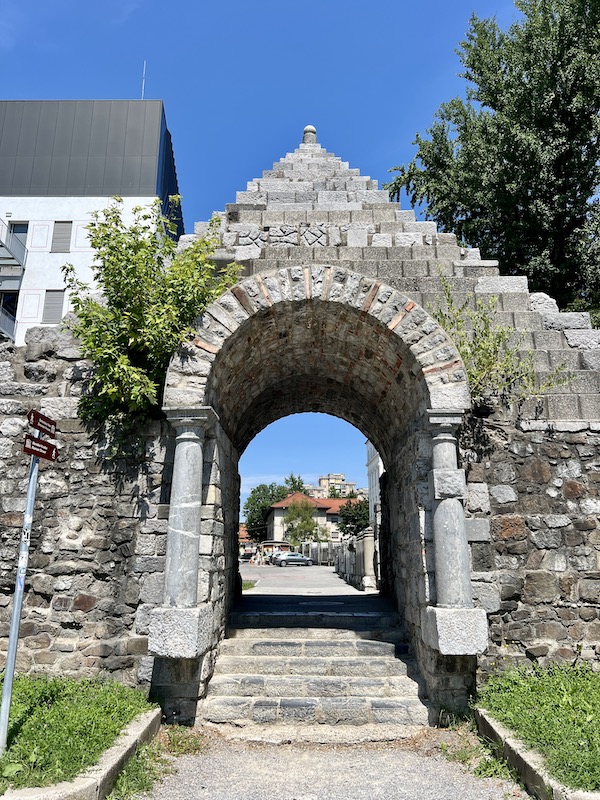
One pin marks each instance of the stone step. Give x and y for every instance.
(316, 710)
(321, 620)
(380, 633)
(311, 648)
(262, 685)
(375, 666)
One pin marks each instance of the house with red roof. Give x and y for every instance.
(326, 514)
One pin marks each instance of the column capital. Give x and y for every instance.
(203, 417)
(444, 418)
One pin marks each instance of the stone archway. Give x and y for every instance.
(323, 339)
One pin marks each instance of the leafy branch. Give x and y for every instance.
(146, 297)
(497, 367)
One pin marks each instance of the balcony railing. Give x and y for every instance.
(8, 324)
(12, 249)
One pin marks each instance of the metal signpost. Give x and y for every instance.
(37, 448)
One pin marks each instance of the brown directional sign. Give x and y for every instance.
(42, 423)
(40, 448)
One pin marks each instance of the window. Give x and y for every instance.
(53, 306)
(61, 237)
(19, 231)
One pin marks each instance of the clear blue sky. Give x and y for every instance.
(240, 80)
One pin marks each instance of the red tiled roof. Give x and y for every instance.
(331, 505)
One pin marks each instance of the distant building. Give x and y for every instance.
(326, 515)
(59, 162)
(374, 472)
(336, 481)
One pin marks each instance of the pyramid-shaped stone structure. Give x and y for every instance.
(312, 208)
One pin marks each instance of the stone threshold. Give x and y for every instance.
(97, 781)
(528, 764)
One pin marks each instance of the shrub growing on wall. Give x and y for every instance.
(145, 299)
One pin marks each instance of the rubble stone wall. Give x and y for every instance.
(537, 571)
(98, 539)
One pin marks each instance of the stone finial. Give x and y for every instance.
(310, 135)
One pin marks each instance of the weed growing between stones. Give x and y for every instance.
(554, 711)
(498, 370)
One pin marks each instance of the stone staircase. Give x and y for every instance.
(315, 668)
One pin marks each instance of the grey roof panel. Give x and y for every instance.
(85, 148)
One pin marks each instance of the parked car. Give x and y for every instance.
(288, 559)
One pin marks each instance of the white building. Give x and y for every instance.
(374, 473)
(59, 162)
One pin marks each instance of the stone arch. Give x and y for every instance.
(318, 338)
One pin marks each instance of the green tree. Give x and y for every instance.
(300, 523)
(334, 492)
(354, 517)
(257, 506)
(145, 300)
(514, 168)
(294, 483)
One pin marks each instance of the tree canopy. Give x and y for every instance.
(256, 508)
(294, 483)
(353, 517)
(300, 523)
(515, 167)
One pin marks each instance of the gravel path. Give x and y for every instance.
(237, 770)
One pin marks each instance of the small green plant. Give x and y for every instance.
(148, 295)
(556, 712)
(497, 368)
(183, 741)
(248, 585)
(148, 765)
(473, 752)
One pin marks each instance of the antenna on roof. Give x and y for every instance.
(144, 79)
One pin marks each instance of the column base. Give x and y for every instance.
(455, 631)
(180, 632)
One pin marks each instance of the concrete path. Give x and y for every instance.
(387, 771)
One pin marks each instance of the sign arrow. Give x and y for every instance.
(41, 422)
(40, 448)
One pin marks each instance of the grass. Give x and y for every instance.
(248, 585)
(154, 761)
(60, 726)
(556, 712)
(474, 753)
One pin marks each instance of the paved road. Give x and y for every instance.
(312, 581)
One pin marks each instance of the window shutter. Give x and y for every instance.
(53, 306)
(61, 237)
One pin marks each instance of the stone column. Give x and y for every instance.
(451, 550)
(452, 626)
(183, 532)
(180, 628)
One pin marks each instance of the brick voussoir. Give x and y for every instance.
(240, 295)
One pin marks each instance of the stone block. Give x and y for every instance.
(180, 632)
(455, 631)
(501, 284)
(503, 494)
(583, 339)
(478, 498)
(477, 530)
(448, 483)
(540, 587)
(567, 320)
